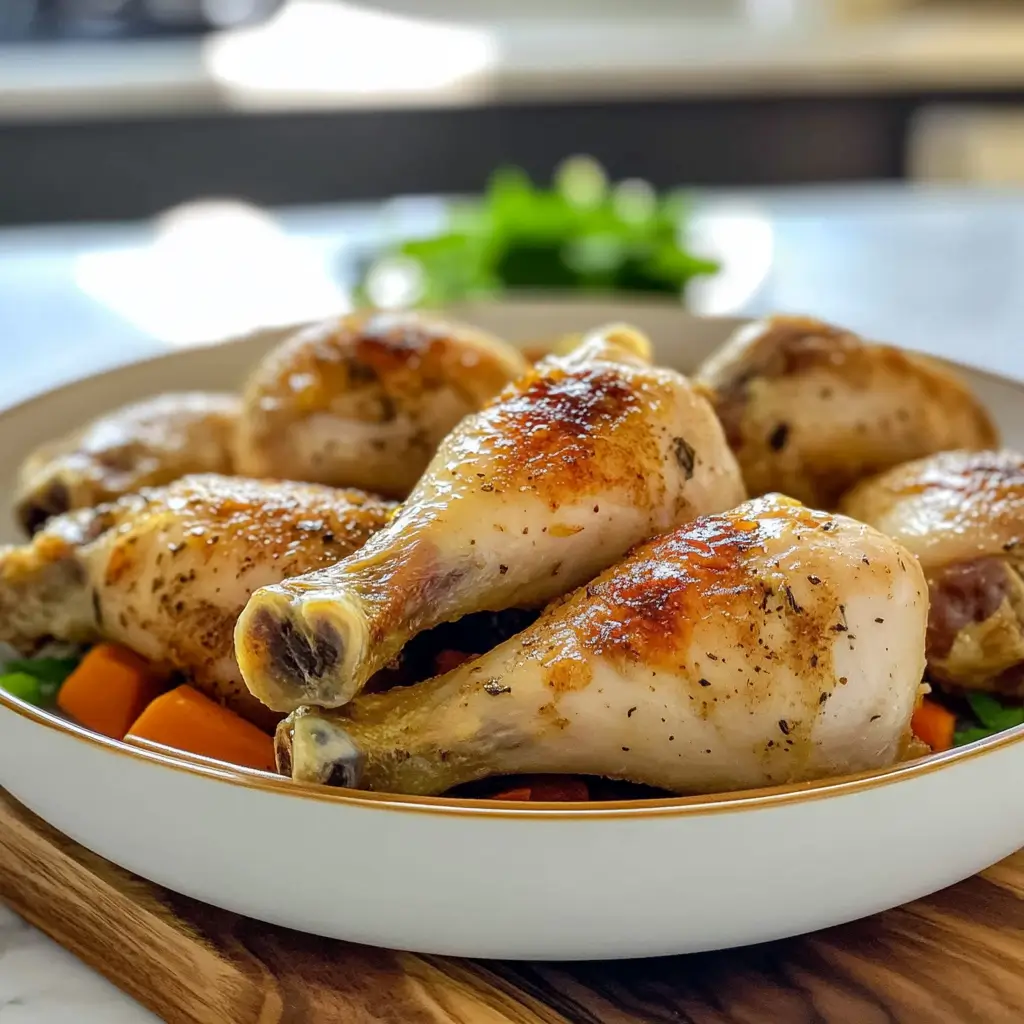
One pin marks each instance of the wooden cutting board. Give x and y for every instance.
(957, 956)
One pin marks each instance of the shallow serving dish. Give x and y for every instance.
(494, 879)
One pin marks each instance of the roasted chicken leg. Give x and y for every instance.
(364, 400)
(525, 500)
(962, 515)
(810, 409)
(144, 444)
(768, 645)
(167, 571)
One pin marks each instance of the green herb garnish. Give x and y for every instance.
(36, 680)
(581, 235)
(23, 686)
(51, 670)
(993, 716)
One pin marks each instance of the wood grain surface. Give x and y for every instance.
(956, 957)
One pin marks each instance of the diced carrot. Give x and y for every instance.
(187, 720)
(517, 793)
(547, 789)
(446, 660)
(142, 743)
(934, 725)
(560, 788)
(109, 689)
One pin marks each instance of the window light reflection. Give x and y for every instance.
(214, 269)
(741, 239)
(322, 47)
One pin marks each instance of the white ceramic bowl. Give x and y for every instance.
(494, 879)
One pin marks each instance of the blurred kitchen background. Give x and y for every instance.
(172, 171)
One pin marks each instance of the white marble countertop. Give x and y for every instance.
(40, 983)
(936, 270)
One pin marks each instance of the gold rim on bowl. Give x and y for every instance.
(741, 800)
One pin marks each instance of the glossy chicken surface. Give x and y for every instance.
(767, 645)
(962, 514)
(810, 409)
(364, 400)
(554, 481)
(145, 444)
(166, 572)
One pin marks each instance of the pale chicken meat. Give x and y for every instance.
(589, 454)
(364, 400)
(147, 443)
(810, 409)
(167, 571)
(962, 514)
(771, 644)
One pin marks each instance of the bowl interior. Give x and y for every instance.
(680, 341)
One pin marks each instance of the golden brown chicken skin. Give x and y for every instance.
(585, 456)
(766, 645)
(364, 400)
(144, 444)
(810, 409)
(167, 571)
(962, 514)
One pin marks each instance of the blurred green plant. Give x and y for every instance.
(580, 235)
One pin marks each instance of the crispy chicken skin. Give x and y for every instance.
(766, 645)
(555, 480)
(809, 409)
(145, 444)
(167, 571)
(962, 514)
(364, 400)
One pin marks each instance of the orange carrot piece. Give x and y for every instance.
(516, 793)
(933, 724)
(187, 720)
(109, 690)
(547, 789)
(560, 789)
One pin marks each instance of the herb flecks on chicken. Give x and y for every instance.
(145, 444)
(167, 571)
(767, 645)
(364, 400)
(583, 457)
(962, 515)
(810, 409)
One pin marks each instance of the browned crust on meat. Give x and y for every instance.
(779, 346)
(401, 355)
(645, 608)
(989, 478)
(815, 363)
(951, 507)
(364, 400)
(576, 431)
(297, 527)
(146, 444)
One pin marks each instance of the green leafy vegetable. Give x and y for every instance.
(964, 736)
(581, 235)
(49, 670)
(993, 716)
(36, 680)
(23, 686)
